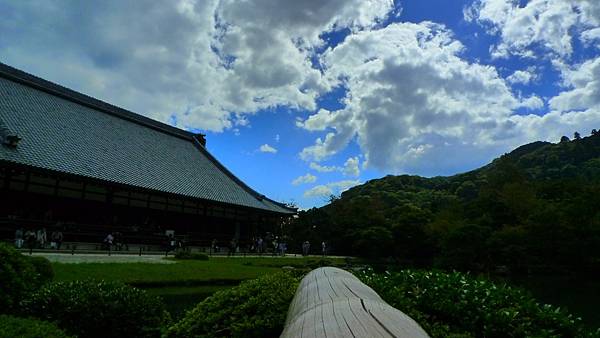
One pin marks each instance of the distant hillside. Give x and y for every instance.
(537, 206)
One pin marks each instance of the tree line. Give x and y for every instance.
(537, 207)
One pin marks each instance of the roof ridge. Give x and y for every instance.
(50, 87)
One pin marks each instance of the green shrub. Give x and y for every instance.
(191, 255)
(43, 267)
(255, 308)
(98, 309)
(17, 278)
(455, 303)
(12, 327)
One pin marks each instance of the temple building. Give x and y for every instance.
(81, 165)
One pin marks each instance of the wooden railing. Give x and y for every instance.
(331, 302)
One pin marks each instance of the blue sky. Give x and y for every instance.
(305, 99)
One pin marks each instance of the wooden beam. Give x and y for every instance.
(331, 302)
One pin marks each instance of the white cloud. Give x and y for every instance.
(532, 102)
(277, 138)
(333, 188)
(583, 88)
(308, 178)
(318, 191)
(549, 24)
(521, 77)
(322, 168)
(414, 105)
(209, 63)
(317, 122)
(265, 148)
(351, 167)
(591, 36)
(407, 87)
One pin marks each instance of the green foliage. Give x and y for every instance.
(255, 308)
(541, 200)
(17, 278)
(43, 268)
(12, 327)
(184, 254)
(465, 248)
(98, 309)
(456, 304)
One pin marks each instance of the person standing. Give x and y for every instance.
(108, 241)
(41, 238)
(19, 238)
(305, 248)
(31, 239)
(232, 247)
(259, 245)
(56, 239)
(324, 248)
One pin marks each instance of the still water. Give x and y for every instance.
(179, 299)
(579, 295)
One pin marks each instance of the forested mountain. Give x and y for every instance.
(535, 207)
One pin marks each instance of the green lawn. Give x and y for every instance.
(217, 270)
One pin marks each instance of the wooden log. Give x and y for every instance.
(331, 302)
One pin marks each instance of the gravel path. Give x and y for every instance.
(103, 258)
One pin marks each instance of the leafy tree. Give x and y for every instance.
(564, 139)
(577, 136)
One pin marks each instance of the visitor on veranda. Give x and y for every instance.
(19, 238)
(42, 238)
(108, 241)
(31, 239)
(56, 239)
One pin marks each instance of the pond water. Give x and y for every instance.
(579, 295)
(179, 299)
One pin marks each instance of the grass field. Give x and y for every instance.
(216, 271)
(187, 282)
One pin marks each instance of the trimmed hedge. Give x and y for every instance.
(18, 277)
(191, 255)
(12, 327)
(457, 304)
(43, 267)
(255, 308)
(98, 309)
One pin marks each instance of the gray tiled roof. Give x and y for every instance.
(69, 132)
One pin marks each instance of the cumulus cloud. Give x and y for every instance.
(322, 168)
(351, 167)
(318, 191)
(333, 188)
(409, 89)
(583, 88)
(413, 104)
(522, 77)
(308, 178)
(548, 24)
(208, 63)
(265, 148)
(591, 37)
